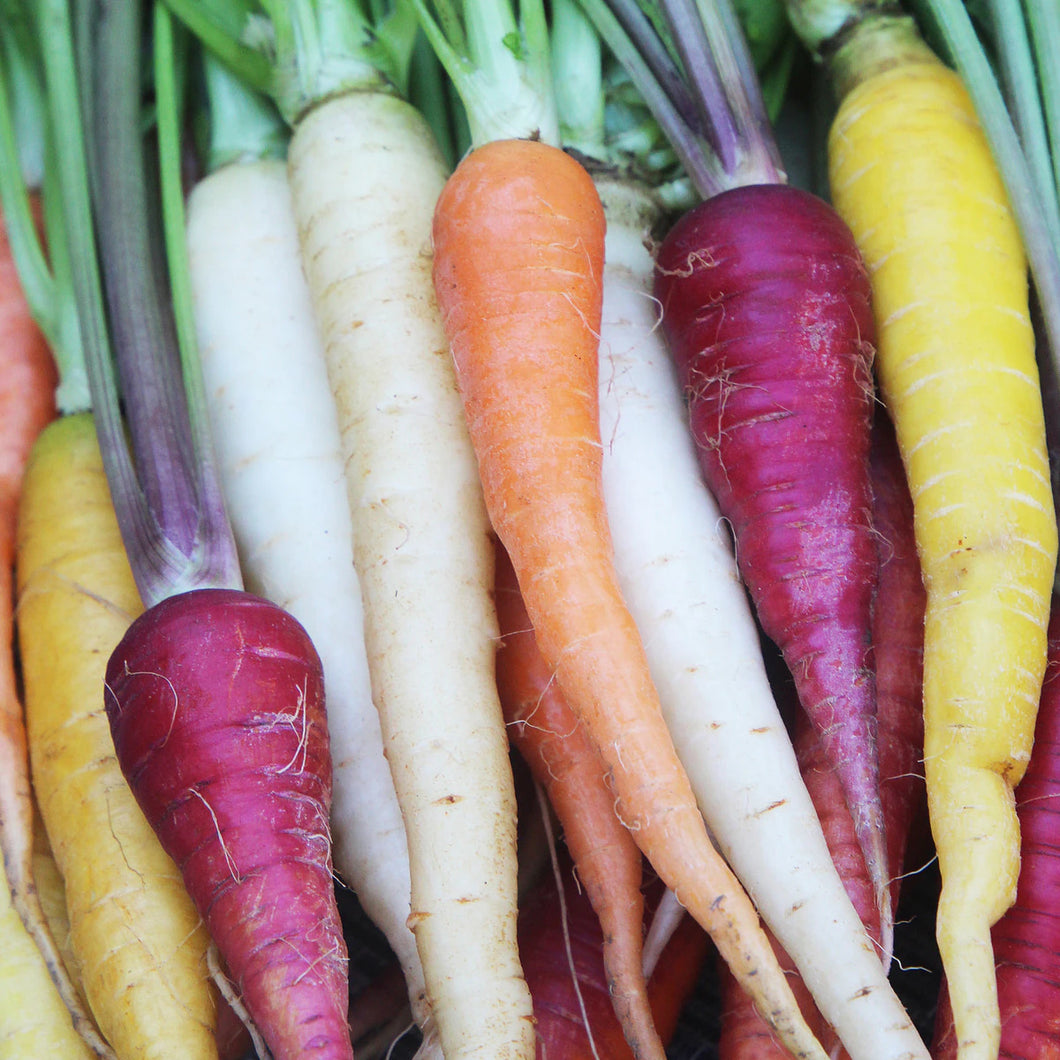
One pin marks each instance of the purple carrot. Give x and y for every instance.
(766, 308)
(216, 704)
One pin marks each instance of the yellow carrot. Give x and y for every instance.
(912, 174)
(135, 935)
(34, 1021)
(51, 891)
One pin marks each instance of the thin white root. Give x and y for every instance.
(668, 915)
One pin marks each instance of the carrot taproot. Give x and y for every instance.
(1026, 939)
(27, 404)
(912, 173)
(198, 761)
(519, 241)
(28, 379)
(565, 763)
(137, 938)
(422, 551)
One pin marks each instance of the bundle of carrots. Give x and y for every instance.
(469, 495)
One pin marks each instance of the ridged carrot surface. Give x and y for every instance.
(912, 175)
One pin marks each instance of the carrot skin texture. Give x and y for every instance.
(565, 763)
(957, 371)
(766, 308)
(423, 552)
(215, 701)
(518, 235)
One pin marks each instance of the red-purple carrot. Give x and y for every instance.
(214, 696)
(766, 308)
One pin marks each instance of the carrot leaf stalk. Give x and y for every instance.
(214, 696)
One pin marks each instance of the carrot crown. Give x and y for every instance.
(499, 62)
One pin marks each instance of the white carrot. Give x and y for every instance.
(365, 175)
(277, 438)
(365, 172)
(676, 566)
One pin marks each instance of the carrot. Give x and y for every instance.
(957, 371)
(134, 936)
(529, 385)
(137, 939)
(676, 568)
(276, 433)
(1026, 939)
(678, 572)
(738, 303)
(561, 940)
(259, 841)
(27, 404)
(566, 765)
(198, 761)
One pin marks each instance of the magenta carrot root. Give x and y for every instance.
(216, 704)
(767, 312)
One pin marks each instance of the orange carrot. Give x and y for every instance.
(564, 762)
(519, 238)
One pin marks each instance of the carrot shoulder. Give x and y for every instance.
(519, 239)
